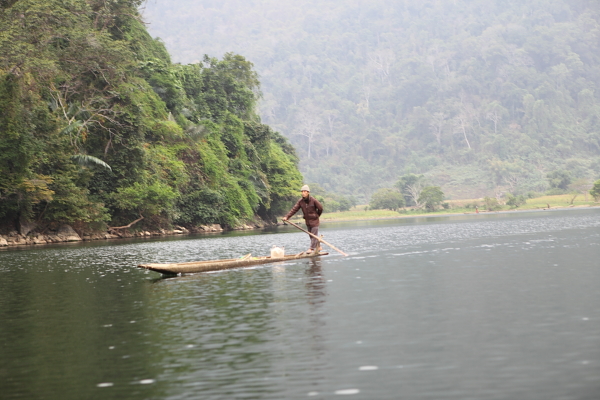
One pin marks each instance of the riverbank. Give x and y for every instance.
(461, 207)
(65, 233)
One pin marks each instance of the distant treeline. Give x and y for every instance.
(99, 128)
(482, 96)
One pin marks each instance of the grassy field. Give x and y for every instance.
(461, 207)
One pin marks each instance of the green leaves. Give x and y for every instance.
(431, 197)
(513, 81)
(595, 191)
(148, 199)
(386, 199)
(559, 179)
(82, 84)
(86, 160)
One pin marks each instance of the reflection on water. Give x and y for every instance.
(498, 306)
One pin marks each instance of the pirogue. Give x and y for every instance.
(216, 265)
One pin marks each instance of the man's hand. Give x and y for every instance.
(284, 219)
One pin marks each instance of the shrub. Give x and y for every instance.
(515, 201)
(555, 192)
(345, 204)
(491, 203)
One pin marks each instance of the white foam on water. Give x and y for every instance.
(409, 253)
(146, 381)
(347, 391)
(105, 384)
(312, 394)
(368, 368)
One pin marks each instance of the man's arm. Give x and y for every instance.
(319, 207)
(293, 211)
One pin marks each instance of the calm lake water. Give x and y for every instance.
(494, 306)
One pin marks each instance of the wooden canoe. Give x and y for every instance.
(216, 265)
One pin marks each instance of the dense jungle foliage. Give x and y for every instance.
(481, 96)
(98, 127)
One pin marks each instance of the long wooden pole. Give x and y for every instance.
(316, 237)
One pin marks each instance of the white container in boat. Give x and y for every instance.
(277, 252)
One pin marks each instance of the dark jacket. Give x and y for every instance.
(311, 208)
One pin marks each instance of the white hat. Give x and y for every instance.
(305, 187)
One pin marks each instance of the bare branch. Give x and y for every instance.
(114, 228)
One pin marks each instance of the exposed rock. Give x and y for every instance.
(68, 234)
(17, 239)
(53, 239)
(39, 239)
(26, 226)
(243, 227)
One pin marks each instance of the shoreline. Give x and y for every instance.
(454, 214)
(66, 234)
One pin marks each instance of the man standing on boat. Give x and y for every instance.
(312, 209)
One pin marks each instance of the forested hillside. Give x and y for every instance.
(481, 96)
(99, 128)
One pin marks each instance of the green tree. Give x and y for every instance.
(435, 99)
(431, 197)
(595, 191)
(411, 185)
(560, 179)
(152, 199)
(99, 126)
(386, 198)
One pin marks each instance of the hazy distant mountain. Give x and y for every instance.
(481, 96)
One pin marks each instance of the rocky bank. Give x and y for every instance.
(27, 235)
